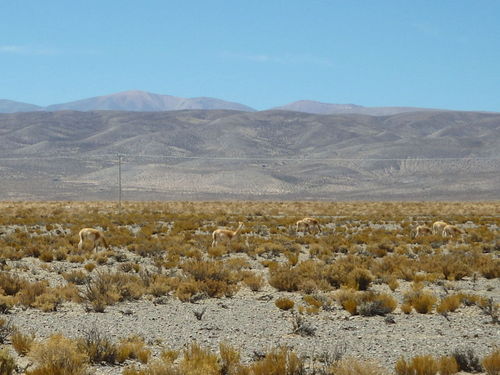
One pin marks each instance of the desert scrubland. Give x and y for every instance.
(361, 295)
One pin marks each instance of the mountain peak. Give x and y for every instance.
(137, 100)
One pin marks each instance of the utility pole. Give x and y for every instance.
(119, 183)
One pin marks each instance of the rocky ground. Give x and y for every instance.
(251, 322)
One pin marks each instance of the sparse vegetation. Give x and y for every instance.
(364, 261)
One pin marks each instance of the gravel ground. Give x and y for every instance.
(251, 322)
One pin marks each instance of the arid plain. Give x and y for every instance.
(361, 295)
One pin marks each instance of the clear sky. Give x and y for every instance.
(262, 53)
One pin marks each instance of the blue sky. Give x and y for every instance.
(440, 54)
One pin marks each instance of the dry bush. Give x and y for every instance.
(22, 342)
(7, 362)
(76, 259)
(406, 308)
(449, 304)
(284, 303)
(98, 295)
(160, 285)
(254, 281)
(58, 355)
(284, 278)
(419, 365)
(10, 284)
(422, 301)
(132, 347)
(491, 363)
(490, 268)
(467, 360)
(199, 361)
(371, 304)
(280, 361)
(6, 329)
(313, 301)
(77, 277)
(365, 303)
(186, 289)
(107, 288)
(359, 279)
(98, 347)
(6, 303)
(354, 366)
(348, 299)
(229, 359)
(447, 365)
(301, 326)
(155, 368)
(89, 267)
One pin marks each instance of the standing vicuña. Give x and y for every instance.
(93, 235)
(422, 230)
(438, 226)
(308, 223)
(452, 230)
(225, 234)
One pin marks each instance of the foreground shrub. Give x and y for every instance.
(254, 282)
(6, 303)
(353, 366)
(376, 304)
(6, 329)
(7, 363)
(422, 301)
(200, 361)
(98, 347)
(230, 359)
(449, 304)
(22, 342)
(284, 278)
(420, 365)
(132, 347)
(467, 360)
(359, 279)
(365, 303)
(156, 368)
(281, 361)
(447, 365)
(58, 356)
(491, 363)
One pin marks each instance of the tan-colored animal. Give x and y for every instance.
(95, 236)
(225, 235)
(308, 223)
(452, 230)
(438, 226)
(422, 230)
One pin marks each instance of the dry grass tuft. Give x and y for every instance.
(284, 303)
(491, 363)
(58, 355)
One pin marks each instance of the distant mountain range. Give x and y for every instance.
(224, 154)
(142, 101)
(310, 106)
(10, 106)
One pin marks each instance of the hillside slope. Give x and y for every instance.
(281, 154)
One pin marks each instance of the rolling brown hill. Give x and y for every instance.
(201, 154)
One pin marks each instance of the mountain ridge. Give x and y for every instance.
(140, 101)
(274, 154)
